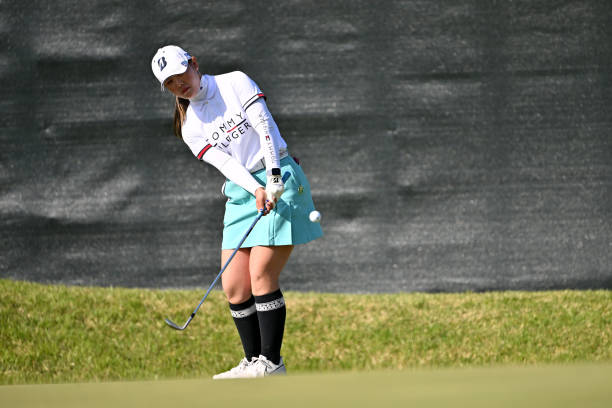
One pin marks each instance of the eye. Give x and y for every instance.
(169, 82)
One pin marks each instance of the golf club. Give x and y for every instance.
(259, 215)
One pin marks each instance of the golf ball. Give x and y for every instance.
(315, 216)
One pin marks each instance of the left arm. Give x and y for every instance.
(264, 125)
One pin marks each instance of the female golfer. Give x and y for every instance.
(225, 122)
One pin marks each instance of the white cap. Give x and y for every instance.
(169, 60)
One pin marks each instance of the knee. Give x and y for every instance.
(263, 283)
(237, 294)
(258, 277)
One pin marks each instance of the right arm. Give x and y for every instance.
(236, 172)
(226, 164)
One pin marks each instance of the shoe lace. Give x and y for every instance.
(266, 364)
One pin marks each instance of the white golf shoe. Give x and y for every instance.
(242, 370)
(262, 367)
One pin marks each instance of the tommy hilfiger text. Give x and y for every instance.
(230, 129)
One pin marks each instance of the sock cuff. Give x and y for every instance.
(244, 309)
(277, 294)
(270, 301)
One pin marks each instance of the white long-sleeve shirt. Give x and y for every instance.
(229, 126)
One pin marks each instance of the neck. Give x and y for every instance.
(203, 89)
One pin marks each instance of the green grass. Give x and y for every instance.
(56, 334)
(557, 386)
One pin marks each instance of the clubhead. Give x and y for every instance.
(174, 325)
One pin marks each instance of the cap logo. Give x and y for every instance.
(162, 63)
(185, 63)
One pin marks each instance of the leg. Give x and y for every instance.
(266, 264)
(236, 280)
(237, 287)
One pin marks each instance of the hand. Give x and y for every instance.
(274, 188)
(262, 202)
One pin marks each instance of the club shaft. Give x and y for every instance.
(227, 262)
(212, 285)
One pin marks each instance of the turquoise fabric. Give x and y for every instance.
(287, 224)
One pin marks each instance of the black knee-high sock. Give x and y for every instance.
(247, 323)
(271, 312)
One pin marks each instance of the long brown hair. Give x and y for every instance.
(180, 110)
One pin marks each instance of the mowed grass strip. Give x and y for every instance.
(54, 333)
(554, 386)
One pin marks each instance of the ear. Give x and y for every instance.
(194, 61)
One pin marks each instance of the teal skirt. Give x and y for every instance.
(286, 224)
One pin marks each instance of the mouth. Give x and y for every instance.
(186, 90)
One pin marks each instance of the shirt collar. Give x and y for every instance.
(205, 91)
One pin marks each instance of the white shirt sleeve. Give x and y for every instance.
(246, 89)
(266, 128)
(231, 169)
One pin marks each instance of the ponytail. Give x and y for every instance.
(180, 110)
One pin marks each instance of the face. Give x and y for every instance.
(187, 84)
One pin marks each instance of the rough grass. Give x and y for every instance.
(53, 333)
